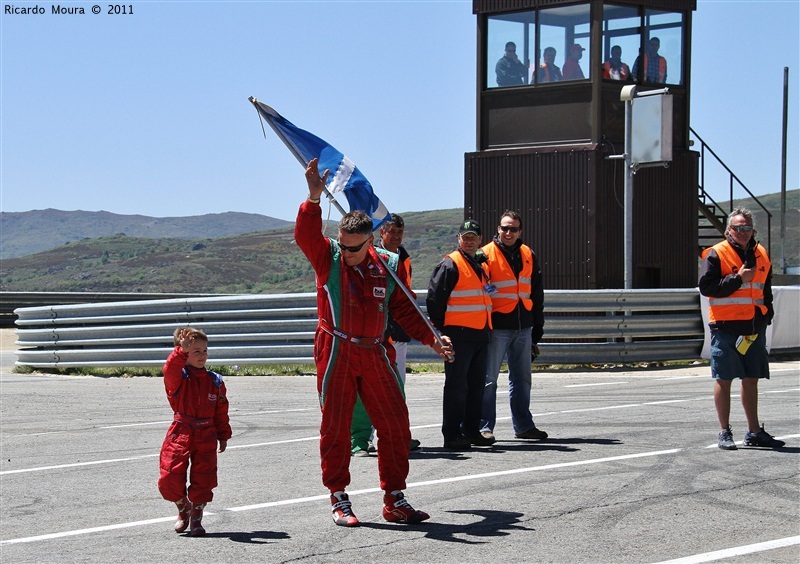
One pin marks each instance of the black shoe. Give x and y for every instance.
(460, 443)
(532, 433)
(479, 439)
(762, 439)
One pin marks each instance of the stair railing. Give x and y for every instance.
(732, 180)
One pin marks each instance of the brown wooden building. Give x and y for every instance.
(543, 143)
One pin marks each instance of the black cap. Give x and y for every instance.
(470, 226)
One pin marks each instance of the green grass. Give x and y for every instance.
(309, 369)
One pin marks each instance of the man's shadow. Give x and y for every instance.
(254, 537)
(566, 444)
(580, 441)
(491, 524)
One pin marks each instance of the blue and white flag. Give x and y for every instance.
(344, 176)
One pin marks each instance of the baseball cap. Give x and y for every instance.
(577, 46)
(470, 226)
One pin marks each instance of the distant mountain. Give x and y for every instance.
(259, 262)
(262, 260)
(24, 233)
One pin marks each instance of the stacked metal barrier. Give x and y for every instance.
(581, 326)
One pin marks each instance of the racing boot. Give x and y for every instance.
(184, 512)
(342, 510)
(397, 509)
(196, 526)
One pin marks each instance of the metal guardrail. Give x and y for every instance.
(10, 301)
(581, 326)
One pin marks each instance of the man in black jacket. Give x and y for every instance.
(517, 325)
(458, 302)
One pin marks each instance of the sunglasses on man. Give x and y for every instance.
(354, 248)
(506, 228)
(742, 228)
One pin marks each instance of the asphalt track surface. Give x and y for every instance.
(631, 473)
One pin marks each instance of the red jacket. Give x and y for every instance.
(196, 392)
(355, 318)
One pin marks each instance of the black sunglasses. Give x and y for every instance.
(505, 228)
(353, 249)
(742, 228)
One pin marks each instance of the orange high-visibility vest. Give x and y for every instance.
(739, 305)
(407, 263)
(509, 289)
(662, 69)
(469, 305)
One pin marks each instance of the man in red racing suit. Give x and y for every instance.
(200, 402)
(354, 296)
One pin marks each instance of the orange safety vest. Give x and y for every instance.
(662, 69)
(739, 305)
(469, 305)
(546, 73)
(509, 289)
(407, 264)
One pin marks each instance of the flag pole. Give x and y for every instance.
(338, 206)
(400, 284)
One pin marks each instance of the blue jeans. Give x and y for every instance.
(517, 346)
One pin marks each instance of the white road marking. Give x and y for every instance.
(76, 464)
(736, 551)
(316, 437)
(136, 425)
(695, 376)
(164, 422)
(112, 460)
(594, 384)
(294, 501)
(696, 559)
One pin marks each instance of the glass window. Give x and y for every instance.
(510, 41)
(662, 51)
(564, 44)
(621, 41)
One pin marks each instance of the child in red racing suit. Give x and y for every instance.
(200, 402)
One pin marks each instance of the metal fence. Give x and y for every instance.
(581, 326)
(10, 301)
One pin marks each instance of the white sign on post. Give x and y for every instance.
(651, 135)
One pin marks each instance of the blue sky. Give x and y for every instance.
(148, 113)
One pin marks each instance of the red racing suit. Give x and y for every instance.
(353, 304)
(200, 402)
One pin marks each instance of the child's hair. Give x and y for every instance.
(193, 334)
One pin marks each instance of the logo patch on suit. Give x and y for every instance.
(212, 397)
(379, 292)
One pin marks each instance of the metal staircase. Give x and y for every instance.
(711, 217)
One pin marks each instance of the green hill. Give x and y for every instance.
(260, 262)
(265, 261)
(24, 233)
(773, 203)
